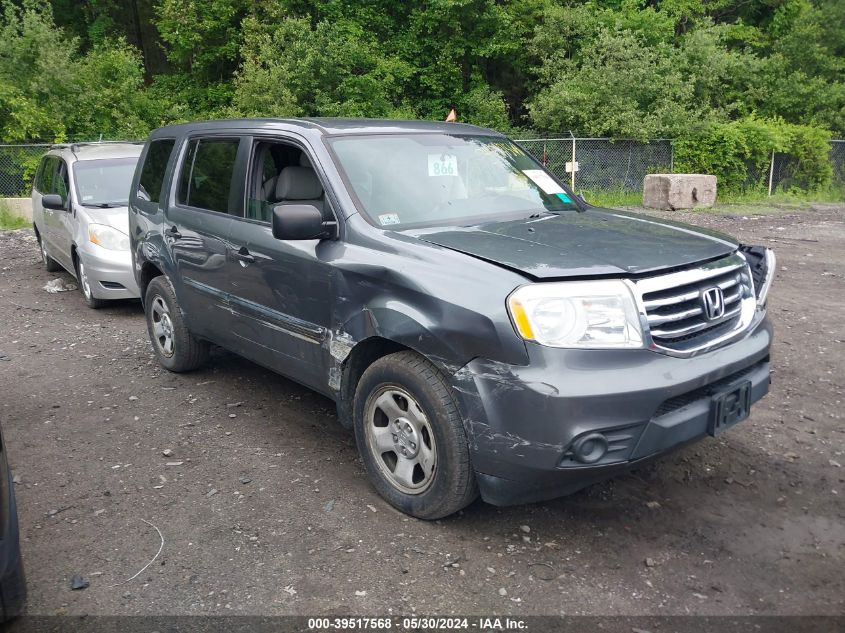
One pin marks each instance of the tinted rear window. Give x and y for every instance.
(155, 167)
(206, 179)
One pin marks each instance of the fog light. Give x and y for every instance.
(590, 448)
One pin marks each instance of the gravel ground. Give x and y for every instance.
(264, 507)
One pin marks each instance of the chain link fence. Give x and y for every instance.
(17, 167)
(601, 164)
(837, 161)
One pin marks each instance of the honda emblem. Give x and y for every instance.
(713, 302)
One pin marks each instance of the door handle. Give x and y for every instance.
(174, 233)
(243, 256)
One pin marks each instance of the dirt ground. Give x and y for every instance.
(264, 507)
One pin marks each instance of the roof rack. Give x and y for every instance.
(75, 146)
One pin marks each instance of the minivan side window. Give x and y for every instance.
(206, 178)
(39, 174)
(61, 184)
(155, 167)
(44, 178)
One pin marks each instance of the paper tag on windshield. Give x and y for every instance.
(543, 180)
(386, 219)
(442, 165)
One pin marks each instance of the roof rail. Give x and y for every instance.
(74, 146)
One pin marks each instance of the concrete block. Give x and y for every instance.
(679, 191)
(21, 207)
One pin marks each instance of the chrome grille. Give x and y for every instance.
(674, 304)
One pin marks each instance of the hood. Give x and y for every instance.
(117, 217)
(593, 243)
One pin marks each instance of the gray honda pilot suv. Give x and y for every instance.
(480, 327)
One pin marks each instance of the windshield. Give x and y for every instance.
(104, 182)
(442, 179)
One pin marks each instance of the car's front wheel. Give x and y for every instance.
(411, 437)
(175, 347)
(85, 286)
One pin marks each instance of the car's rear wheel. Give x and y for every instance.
(411, 437)
(85, 286)
(175, 347)
(49, 263)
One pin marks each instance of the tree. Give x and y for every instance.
(49, 92)
(334, 69)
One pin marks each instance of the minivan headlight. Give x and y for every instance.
(581, 314)
(108, 237)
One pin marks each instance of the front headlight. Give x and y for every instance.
(108, 237)
(582, 314)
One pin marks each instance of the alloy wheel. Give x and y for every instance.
(162, 326)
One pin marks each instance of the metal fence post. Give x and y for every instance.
(573, 161)
(771, 172)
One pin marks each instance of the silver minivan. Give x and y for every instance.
(79, 214)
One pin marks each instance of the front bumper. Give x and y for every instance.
(110, 273)
(523, 421)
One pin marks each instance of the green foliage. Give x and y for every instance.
(733, 150)
(8, 220)
(49, 92)
(732, 79)
(620, 86)
(334, 69)
(810, 148)
(203, 36)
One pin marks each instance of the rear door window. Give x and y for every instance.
(155, 169)
(207, 172)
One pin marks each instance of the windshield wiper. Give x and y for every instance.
(104, 205)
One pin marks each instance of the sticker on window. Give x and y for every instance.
(442, 165)
(544, 181)
(386, 219)
(564, 198)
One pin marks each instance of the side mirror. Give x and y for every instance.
(300, 222)
(53, 201)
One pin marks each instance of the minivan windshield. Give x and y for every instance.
(414, 180)
(104, 182)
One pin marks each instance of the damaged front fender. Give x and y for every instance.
(763, 265)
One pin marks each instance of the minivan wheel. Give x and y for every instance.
(85, 287)
(49, 263)
(175, 347)
(411, 437)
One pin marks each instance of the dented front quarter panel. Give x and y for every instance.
(446, 306)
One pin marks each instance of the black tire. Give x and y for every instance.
(451, 483)
(85, 287)
(50, 264)
(186, 352)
